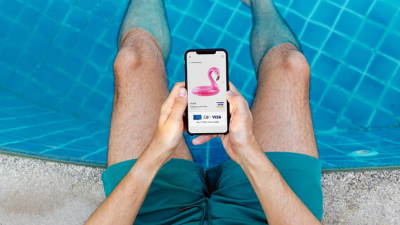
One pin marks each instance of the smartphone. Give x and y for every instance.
(206, 79)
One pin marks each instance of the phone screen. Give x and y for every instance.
(207, 84)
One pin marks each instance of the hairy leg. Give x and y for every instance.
(281, 122)
(140, 89)
(269, 29)
(148, 15)
(281, 110)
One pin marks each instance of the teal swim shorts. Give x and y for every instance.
(184, 193)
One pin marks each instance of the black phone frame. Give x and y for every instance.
(208, 51)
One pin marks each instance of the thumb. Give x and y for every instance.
(179, 106)
(237, 102)
(232, 99)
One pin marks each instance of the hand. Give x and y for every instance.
(170, 124)
(240, 139)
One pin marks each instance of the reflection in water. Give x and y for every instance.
(363, 153)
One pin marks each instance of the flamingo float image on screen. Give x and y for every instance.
(208, 90)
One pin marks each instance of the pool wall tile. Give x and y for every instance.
(56, 73)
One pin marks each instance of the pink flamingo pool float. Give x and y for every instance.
(208, 90)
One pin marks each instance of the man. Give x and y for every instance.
(274, 173)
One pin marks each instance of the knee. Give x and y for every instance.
(127, 58)
(294, 61)
(131, 52)
(290, 62)
(136, 48)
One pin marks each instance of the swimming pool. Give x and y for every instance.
(56, 77)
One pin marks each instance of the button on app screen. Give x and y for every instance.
(206, 80)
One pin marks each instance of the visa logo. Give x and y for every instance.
(196, 117)
(216, 116)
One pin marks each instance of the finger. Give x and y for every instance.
(169, 102)
(178, 109)
(167, 105)
(237, 103)
(233, 88)
(202, 139)
(234, 92)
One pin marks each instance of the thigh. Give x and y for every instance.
(176, 195)
(235, 202)
(140, 90)
(281, 111)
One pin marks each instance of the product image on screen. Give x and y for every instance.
(206, 79)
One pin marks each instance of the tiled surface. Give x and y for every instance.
(56, 79)
(40, 132)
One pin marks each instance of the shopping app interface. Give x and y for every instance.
(206, 80)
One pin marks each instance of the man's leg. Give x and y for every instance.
(282, 124)
(140, 82)
(140, 89)
(283, 128)
(269, 29)
(282, 118)
(281, 111)
(148, 15)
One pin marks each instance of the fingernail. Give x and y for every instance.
(182, 92)
(230, 93)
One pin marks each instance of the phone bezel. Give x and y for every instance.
(209, 51)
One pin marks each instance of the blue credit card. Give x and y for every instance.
(196, 117)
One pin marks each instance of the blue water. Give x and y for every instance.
(56, 76)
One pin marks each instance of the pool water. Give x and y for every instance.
(56, 75)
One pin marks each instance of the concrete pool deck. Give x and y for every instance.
(39, 192)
